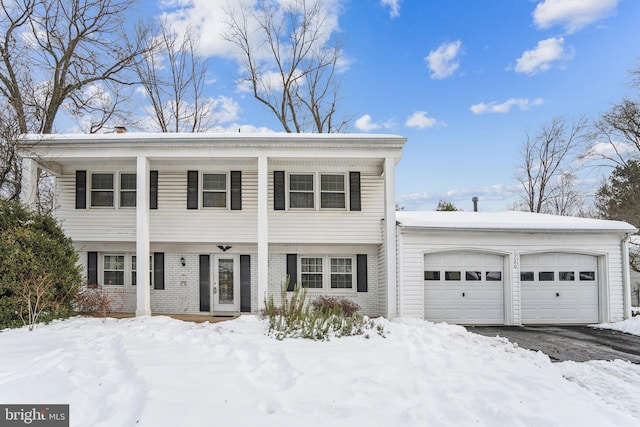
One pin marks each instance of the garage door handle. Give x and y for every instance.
(463, 294)
(557, 294)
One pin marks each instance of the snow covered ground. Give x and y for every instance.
(630, 326)
(156, 371)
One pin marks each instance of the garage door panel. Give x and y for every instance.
(570, 301)
(470, 300)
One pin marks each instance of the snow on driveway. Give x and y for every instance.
(156, 371)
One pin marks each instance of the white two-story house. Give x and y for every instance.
(216, 223)
(219, 221)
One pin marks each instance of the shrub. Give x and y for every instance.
(324, 318)
(39, 275)
(93, 301)
(336, 304)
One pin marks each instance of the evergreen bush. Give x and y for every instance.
(39, 272)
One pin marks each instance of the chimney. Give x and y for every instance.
(120, 129)
(475, 204)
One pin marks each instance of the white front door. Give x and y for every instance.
(226, 283)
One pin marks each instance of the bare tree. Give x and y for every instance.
(565, 198)
(619, 129)
(290, 61)
(51, 53)
(172, 75)
(545, 158)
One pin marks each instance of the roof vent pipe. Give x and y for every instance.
(475, 204)
(120, 129)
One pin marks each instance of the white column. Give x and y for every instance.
(263, 230)
(29, 193)
(390, 235)
(143, 293)
(626, 282)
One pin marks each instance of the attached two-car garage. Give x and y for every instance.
(512, 268)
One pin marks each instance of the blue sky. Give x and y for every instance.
(463, 80)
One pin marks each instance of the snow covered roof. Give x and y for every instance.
(507, 221)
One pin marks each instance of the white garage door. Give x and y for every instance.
(464, 287)
(559, 288)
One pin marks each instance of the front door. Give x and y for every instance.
(226, 283)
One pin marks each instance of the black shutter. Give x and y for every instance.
(278, 191)
(245, 283)
(192, 189)
(361, 260)
(292, 271)
(153, 190)
(158, 270)
(205, 284)
(236, 190)
(81, 189)
(354, 191)
(92, 268)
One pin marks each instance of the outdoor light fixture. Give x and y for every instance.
(182, 261)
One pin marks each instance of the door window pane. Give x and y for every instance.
(472, 276)
(527, 276)
(588, 275)
(452, 275)
(225, 281)
(546, 276)
(567, 276)
(494, 276)
(431, 275)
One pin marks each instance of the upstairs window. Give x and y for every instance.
(332, 192)
(301, 194)
(128, 190)
(214, 190)
(102, 190)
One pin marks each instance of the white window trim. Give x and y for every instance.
(114, 189)
(227, 190)
(126, 191)
(317, 191)
(326, 273)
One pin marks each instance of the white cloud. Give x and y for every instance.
(505, 107)
(572, 14)
(444, 60)
(393, 5)
(420, 120)
(541, 57)
(366, 124)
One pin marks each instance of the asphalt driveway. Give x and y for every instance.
(562, 343)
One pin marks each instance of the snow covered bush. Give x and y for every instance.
(39, 274)
(327, 318)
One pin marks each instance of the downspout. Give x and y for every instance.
(626, 277)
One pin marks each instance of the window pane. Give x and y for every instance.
(102, 198)
(526, 276)
(546, 276)
(301, 200)
(473, 276)
(494, 276)
(332, 183)
(567, 276)
(311, 265)
(311, 281)
(114, 278)
(341, 281)
(216, 181)
(587, 275)
(128, 199)
(102, 181)
(113, 262)
(341, 265)
(128, 181)
(301, 183)
(332, 200)
(452, 275)
(212, 199)
(431, 275)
